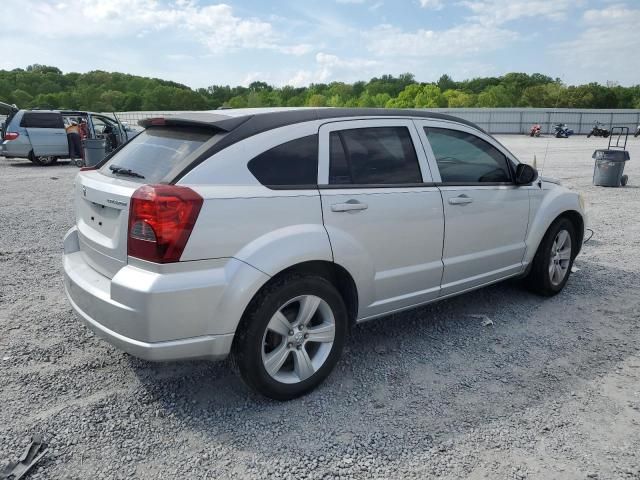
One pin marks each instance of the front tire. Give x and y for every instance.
(553, 260)
(291, 336)
(45, 161)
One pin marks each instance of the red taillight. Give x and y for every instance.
(11, 135)
(161, 218)
(157, 121)
(84, 169)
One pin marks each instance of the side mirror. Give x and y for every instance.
(525, 174)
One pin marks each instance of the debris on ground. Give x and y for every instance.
(34, 452)
(486, 321)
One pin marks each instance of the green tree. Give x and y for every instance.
(430, 96)
(494, 96)
(446, 83)
(459, 99)
(20, 98)
(317, 100)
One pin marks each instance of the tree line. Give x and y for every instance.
(41, 86)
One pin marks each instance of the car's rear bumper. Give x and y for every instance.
(14, 149)
(212, 347)
(149, 315)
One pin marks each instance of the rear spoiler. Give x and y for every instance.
(222, 123)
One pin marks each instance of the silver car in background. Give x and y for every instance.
(267, 234)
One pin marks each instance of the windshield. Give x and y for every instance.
(154, 153)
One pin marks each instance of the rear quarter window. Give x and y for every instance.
(41, 120)
(294, 163)
(156, 152)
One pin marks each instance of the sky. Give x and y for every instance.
(288, 42)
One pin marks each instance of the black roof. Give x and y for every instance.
(257, 122)
(238, 128)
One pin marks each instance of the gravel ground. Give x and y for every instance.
(550, 390)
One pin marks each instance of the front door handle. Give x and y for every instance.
(349, 206)
(460, 200)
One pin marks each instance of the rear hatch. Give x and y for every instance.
(103, 195)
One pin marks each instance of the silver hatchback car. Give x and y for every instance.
(266, 234)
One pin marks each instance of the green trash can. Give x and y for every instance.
(609, 167)
(94, 151)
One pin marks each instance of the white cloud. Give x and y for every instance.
(458, 41)
(329, 66)
(432, 4)
(605, 49)
(498, 12)
(215, 26)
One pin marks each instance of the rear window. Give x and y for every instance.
(156, 152)
(42, 120)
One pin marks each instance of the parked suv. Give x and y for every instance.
(267, 234)
(40, 135)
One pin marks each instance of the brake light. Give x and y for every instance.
(11, 135)
(157, 121)
(161, 218)
(84, 169)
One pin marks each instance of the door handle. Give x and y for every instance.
(460, 200)
(349, 206)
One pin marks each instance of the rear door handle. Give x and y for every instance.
(349, 206)
(460, 200)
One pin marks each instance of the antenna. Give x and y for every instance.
(555, 111)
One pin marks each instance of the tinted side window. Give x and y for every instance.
(464, 158)
(292, 163)
(42, 120)
(373, 156)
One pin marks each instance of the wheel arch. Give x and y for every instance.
(540, 228)
(578, 223)
(339, 277)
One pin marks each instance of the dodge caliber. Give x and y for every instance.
(266, 234)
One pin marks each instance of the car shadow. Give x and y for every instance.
(29, 164)
(426, 370)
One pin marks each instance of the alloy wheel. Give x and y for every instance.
(560, 257)
(298, 339)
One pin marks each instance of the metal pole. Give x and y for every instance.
(489, 122)
(522, 130)
(580, 127)
(610, 121)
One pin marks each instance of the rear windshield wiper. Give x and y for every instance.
(124, 171)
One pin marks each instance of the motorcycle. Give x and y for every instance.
(562, 131)
(637, 132)
(535, 131)
(598, 131)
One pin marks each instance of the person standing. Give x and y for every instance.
(75, 143)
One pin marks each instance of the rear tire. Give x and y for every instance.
(291, 336)
(623, 180)
(45, 161)
(553, 261)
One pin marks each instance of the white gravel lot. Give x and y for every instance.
(550, 390)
